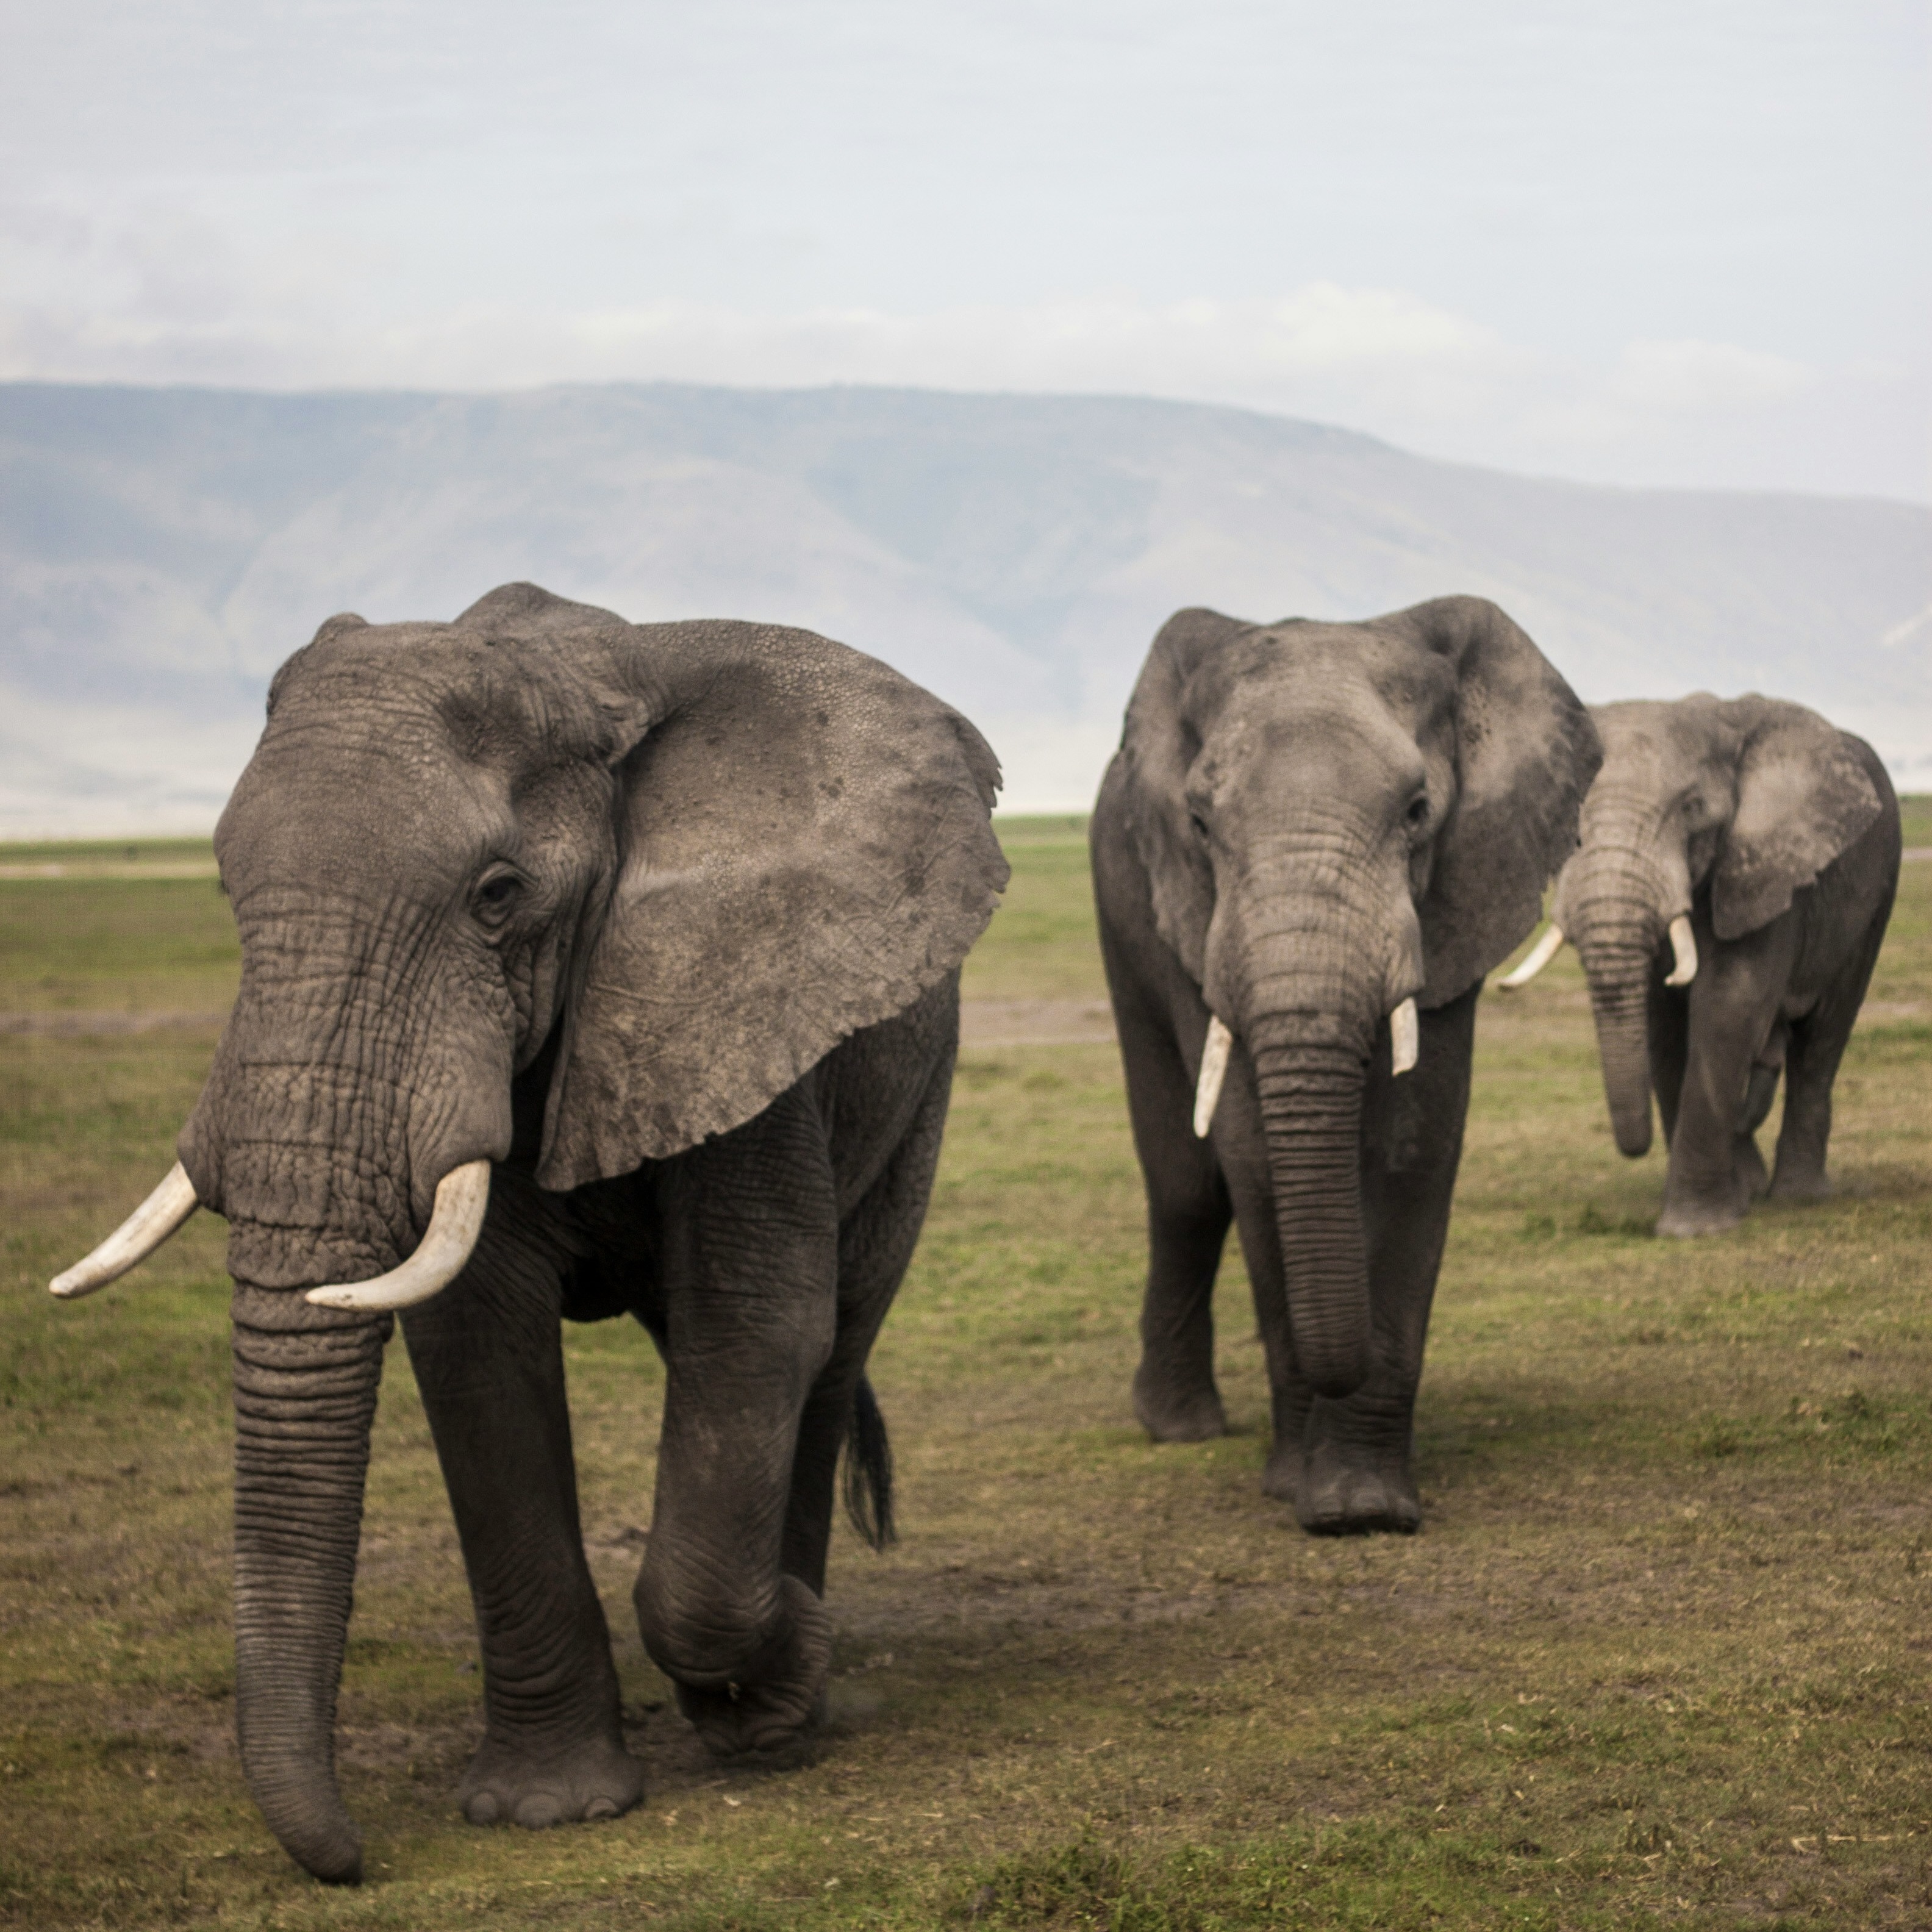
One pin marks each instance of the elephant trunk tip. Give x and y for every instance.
(313, 1827)
(337, 1865)
(1633, 1135)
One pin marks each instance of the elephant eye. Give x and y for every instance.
(495, 896)
(1199, 824)
(1417, 813)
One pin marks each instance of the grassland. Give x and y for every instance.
(1659, 1656)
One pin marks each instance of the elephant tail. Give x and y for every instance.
(868, 1470)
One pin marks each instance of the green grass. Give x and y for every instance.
(1659, 1656)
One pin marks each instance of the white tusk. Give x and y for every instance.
(1404, 1037)
(1213, 1071)
(134, 1240)
(1545, 949)
(1683, 945)
(461, 1196)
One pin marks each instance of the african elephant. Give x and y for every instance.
(1314, 841)
(1728, 901)
(587, 969)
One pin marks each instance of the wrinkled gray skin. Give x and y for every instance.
(1778, 835)
(665, 921)
(1306, 824)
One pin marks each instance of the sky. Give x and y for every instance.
(1659, 242)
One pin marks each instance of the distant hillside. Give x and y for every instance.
(161, 550)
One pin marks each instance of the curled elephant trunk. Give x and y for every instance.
(1311, 1106)
(305, 1384)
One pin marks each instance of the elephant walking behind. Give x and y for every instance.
(1315, 841)
(1737, 862)
(587, 970)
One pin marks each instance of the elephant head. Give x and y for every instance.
(1739, 803)
(1337, 821)
(662, 869)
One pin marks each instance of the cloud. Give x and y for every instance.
(149, 293)
(1704, 375)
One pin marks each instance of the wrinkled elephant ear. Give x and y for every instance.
(1804, 794)
(1526, 753)
(1158, 746)
(805, 846)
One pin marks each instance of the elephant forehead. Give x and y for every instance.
(350, 798)
(1676, 736)
(1286, 668)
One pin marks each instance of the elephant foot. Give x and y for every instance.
(1800, 1184)
(1686, 1218)
(1338, 1497)
(594, 1780)
(1170, 1414)
(767, 1720)
(1281, 1478)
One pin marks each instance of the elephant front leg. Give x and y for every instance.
(751, 1319)
(1188, 1214)
(488, 1358)
(1715, 1167)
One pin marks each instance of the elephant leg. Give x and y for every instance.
(750, 1264)
(876, 1241)
(1733, 1007)
(1816, 1045)
(1290, 1395)
(1669, 1041)
(488, 1358)
(1189, 1212)
(1358, 1468)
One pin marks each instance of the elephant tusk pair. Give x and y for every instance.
(1405, 1044)
(457, 1220)
(1683, 948)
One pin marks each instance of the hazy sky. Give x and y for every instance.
(1648, 241)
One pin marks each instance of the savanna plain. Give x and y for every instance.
(1660, 1654)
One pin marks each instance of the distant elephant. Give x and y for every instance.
(1314, 841)
(586, 969)
(1728, 901)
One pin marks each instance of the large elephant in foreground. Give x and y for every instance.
(1728, 901)
(586, 969)
(1315, 841)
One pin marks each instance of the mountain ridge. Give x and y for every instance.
(161, 549)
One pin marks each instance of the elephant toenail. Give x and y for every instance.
(539, 1811)
(600, 1808)
(482, 1808)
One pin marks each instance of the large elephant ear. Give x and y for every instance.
(1158, 747)
(1805, 793)
(805, 846)
(1526, 753)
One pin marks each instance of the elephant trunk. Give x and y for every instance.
(1310, 1093)
(305, 1384)
(1628, 884)
(1618, 956)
